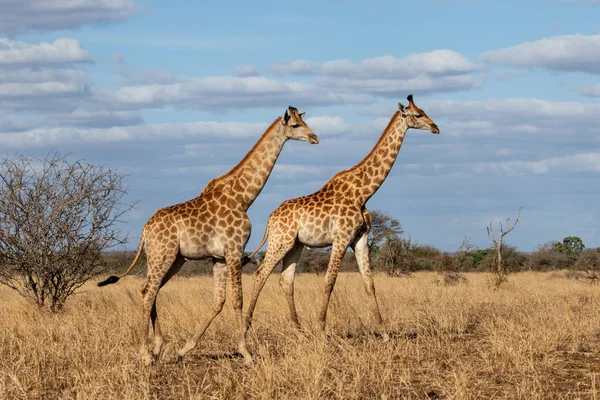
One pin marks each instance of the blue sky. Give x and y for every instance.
(175, 93)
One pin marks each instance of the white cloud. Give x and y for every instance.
(590, 90)
(327, 124)
(523, 115)
(97, 118)
(438, 62)
(221, 92)
(400, 87)
(209, 131)
(298, 67)
(61, 51)
(246, 70)
(436, 71)
(282, 170)
(579, 162)
(11, 123)
(559, 53)
(42, 89)
(41, 74)
(26, 16)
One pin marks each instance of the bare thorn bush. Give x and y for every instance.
(56, 219)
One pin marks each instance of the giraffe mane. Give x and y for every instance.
(389, 125)
(252, 150)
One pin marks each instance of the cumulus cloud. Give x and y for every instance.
(436, 71)
(282, 170)
(298, 67)
(11, 123)
(558, 53)
(246, 70)
(577, 162)
(536, 114)
(327, 124)
(31, 16)
(208, 131)
(61, 51)
(222, 92)
(590, 90)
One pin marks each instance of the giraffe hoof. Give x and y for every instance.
(148, 360)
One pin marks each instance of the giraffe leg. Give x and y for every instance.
(158, 337)
(286, 281)
(149, 292)
(337, 253)
(159, 263)
(361, 251)
(274, 254)
(234, 264)
(220, 281)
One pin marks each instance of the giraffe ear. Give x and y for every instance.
(285, 118)
(302, 115)
(400, 107)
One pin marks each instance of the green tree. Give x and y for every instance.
(571, 246)
(383, 229)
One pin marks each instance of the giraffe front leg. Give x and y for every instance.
(220, 281)
(337, 253)
(234, 265)
(149, 292)
(286, 281)
(361, 251)
(275, 252)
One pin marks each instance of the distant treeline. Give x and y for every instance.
(399, 256)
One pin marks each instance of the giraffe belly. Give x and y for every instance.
(194, 249)
(311, 238)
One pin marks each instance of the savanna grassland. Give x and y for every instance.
(537, 337)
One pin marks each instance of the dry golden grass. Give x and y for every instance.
(537, 337)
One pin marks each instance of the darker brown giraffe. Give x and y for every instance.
(212, 225)
(335, 215)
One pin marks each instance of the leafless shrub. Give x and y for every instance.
(546, 258)
(588, 262)
(315, 260)
(454, 265)
(498, 244)
(56, 220)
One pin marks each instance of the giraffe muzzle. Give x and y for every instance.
(435, 129)
(313, 139)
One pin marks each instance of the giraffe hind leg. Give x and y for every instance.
(275, 252)
(220, 281)
(157, 270)
(158, 337)
(286, 280)
(361, 252)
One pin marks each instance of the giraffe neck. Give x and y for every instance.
(250, 175)
(370, 173)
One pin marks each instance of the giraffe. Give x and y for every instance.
(335, 215)
(212, 225)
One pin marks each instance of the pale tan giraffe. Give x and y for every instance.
(335, 215)
(213, 225)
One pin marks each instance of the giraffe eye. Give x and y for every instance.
(295, 126)
(418, 115)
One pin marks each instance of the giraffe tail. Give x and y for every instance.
(114, 278)
(246, 259)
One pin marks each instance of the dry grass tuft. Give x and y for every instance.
(536, 337)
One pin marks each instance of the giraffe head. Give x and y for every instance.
(416, 117)
(294, 127)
